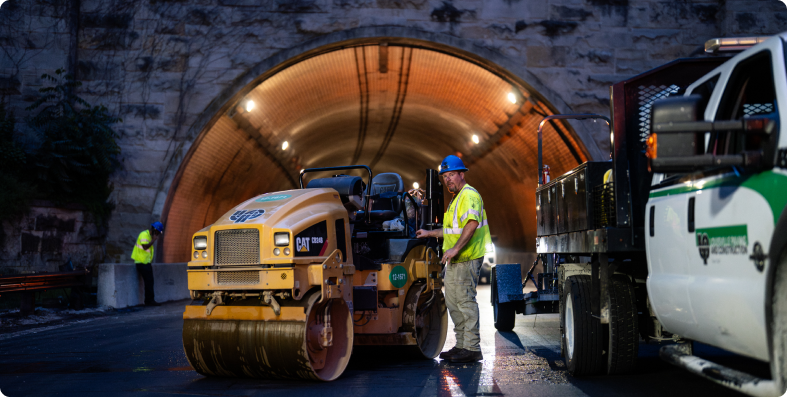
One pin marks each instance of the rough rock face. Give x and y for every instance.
(159, 63)
(48, 237)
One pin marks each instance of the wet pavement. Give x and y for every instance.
(139, 352)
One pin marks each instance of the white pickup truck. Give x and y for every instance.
(683, 235)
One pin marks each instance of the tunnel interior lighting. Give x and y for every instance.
(249, 105)
(475, 138)
(285, 145)
(415, 185)
(512, 97)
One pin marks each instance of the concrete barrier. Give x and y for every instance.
(119, 284)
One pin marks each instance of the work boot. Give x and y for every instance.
(454, 351)
(466, 356)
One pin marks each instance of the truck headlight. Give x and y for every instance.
(200, 242)
(281, 239)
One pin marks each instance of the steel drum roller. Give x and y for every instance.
(272, 349)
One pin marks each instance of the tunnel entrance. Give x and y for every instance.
(397, 105)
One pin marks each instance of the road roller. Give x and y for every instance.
(286, 283)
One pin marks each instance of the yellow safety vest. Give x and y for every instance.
(140, 255)
(467, 205)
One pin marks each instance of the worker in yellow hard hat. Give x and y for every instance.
(143, 257)
(466, 240)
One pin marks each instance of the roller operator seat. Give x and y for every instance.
(387, 189)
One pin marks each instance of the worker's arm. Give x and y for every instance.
(467, 234)
(421, 233)
(146, 246)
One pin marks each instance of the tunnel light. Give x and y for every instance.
(475, 138)
(249, 105)
(512, 97)
(285, 145)
(415, 185)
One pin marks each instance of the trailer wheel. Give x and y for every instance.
(623, 343)
(505, 313)
(582, 333)
(505, 316)
(779, 324)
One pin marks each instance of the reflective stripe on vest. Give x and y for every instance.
(454, 229)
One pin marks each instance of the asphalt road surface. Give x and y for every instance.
(139, 352)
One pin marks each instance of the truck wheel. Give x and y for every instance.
(561, 309)
(581, 333)
(779, 324)
(505, 316)
(623, 346)
(505, 313)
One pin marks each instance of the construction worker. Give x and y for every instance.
(466, 240)
(143, 256)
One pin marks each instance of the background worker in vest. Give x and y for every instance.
(143, 256)
(466, 240)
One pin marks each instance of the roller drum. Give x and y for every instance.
(271, 349)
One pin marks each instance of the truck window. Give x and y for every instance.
(749, 92)
(705, 90)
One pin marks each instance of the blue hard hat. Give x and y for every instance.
(158, 226)
(452, 163)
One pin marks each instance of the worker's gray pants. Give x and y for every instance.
(461, 279)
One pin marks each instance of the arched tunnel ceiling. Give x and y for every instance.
(396, 108)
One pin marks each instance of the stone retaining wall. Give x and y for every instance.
(160, 64)
(47, 237)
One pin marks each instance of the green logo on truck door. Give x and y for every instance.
(726, 240)
(398, 277)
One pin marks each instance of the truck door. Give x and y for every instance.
(669, 241)
(733, 217)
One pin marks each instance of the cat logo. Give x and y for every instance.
(302, 244)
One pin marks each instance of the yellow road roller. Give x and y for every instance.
(286, 283)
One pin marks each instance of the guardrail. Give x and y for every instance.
(27, 284)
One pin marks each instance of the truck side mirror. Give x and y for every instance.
(676, 110)
(675, 144)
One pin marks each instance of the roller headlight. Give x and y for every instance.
(281, 239)
(200, 242)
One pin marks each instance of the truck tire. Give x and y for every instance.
(562, 308)
(505, 316)
(623, 344)
(505, 313)
(582, 332)
(779, 324)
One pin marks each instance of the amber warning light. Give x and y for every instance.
(652, 147)
(651, 152)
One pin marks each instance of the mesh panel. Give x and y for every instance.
(647, 95)
(750, 109)
(238, 247)
(238, 278)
